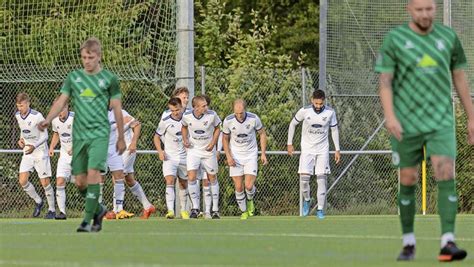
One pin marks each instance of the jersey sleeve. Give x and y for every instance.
(160, 130)
(66, 88)
(333, 120)
(53, 125)
(458, 59)
(114, 88)
(299, 116)
(217, 120)
(225, 127)
(258, 124)
(385, 62)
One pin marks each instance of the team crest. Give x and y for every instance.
(78, 80)
(69, 126)
(205, 123)
(409, 44)
(101, 83)
(29, 123)
(440, 45)
(325, 118)
(247, 126)
(308, 118)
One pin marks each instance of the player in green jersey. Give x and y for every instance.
(91, 89)
(417, 63)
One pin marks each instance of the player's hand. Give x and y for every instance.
(162, 155)
(230, 161)
(210, 147)
(43, 125)
(51, 152)
(263, 159)
(69, 152)
(21, 143)
(29, 149)
(470, 132)
(290, 150)
(121, 146)
(132, 148)
(394, 128)
(337, 156)
(186, 143)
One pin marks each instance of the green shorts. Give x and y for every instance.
(89, 154)
(409, 151)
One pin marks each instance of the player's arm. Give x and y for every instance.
(225, 145)
(386, 98)
(184, 134)
(116, 105)
(335, 140)
(54, 143)
(157, 142)
(136, 128)
(263, 145)
(56, 108)
(291, 132)
(462, 88)
(215, 137)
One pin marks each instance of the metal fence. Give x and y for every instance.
(363, 183)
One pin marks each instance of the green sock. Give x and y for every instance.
(92, 201)
(447, 205)
(407, 205)
(83, 192)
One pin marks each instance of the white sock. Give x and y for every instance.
(137, 190)
(304, 186)
(31, 191)
(49, 192)
(445, 238)
(101, 193)
(183, 198)
(241, 201)
(251, 193)
(206, 191)
(215, 195)
(61, 198)
(170, 196)
(119, 195)
(321, 192)
(409, 239)
(193, 189)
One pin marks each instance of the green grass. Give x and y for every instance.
(259, 241)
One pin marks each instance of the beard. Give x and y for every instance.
(423, 28)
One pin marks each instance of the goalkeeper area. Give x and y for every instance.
(259, 241)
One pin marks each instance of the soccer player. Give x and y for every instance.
(317, 118)
(92, 90)
(202, 126)
(173, 156)
(35, 155)
(62, 133)
(241, 150)
(417, 63)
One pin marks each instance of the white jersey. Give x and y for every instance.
(314, 135)
(64, 130)
(31, 134)
(169, 131)
(243, 134)
(201, 130)
(113, 127)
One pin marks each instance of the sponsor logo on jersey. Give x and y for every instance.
(427, 64)
(316, 125)
(242, 135)
(405, 202)
(199, 131)
(65, 135)
(178, 133)
(26, 131)
(452, 198)
(88, 93)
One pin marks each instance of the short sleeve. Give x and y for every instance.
(458, 59)
(184, 122)
(299, 116)
(258, 124)
(66, 88)
(225, 127)
(217, 120)
(385, 62)
(114, 88)
(333, 120)
(161, 128)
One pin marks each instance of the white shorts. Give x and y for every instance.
(176, 168)
(243, 166)
(314, 164)
(208, 163)
(42, 165)
(64, 167)
(201, 174)
(114, 161)
(128, 161)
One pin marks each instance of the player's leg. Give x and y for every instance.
(305, 170)
(321, 170)
(183, 190)
(250, 168)
(441, 148)
(63, 172)
(193, 165)
(137, 191)
(237, 174)
(43, 168)
(206, 192)
(407, 155)
(170, 196)
(29, 188)
(211, 166)
(119, 193)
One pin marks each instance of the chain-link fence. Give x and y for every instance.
(361, 184)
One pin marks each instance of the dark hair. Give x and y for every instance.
(180, 90)
(208, 99)
(197, 99)
(20, 97)
(319, 94)
(174, 101)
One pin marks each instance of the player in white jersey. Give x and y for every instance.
(35, 155)
(240, 145)
(115, 164)
(173, 156)
(200, 132)
(314, 159)
(62, 133)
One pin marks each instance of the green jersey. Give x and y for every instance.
(91, 94)
(421, 67)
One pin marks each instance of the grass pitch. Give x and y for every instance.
(259, 241)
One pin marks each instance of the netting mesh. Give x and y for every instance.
(40, 38)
